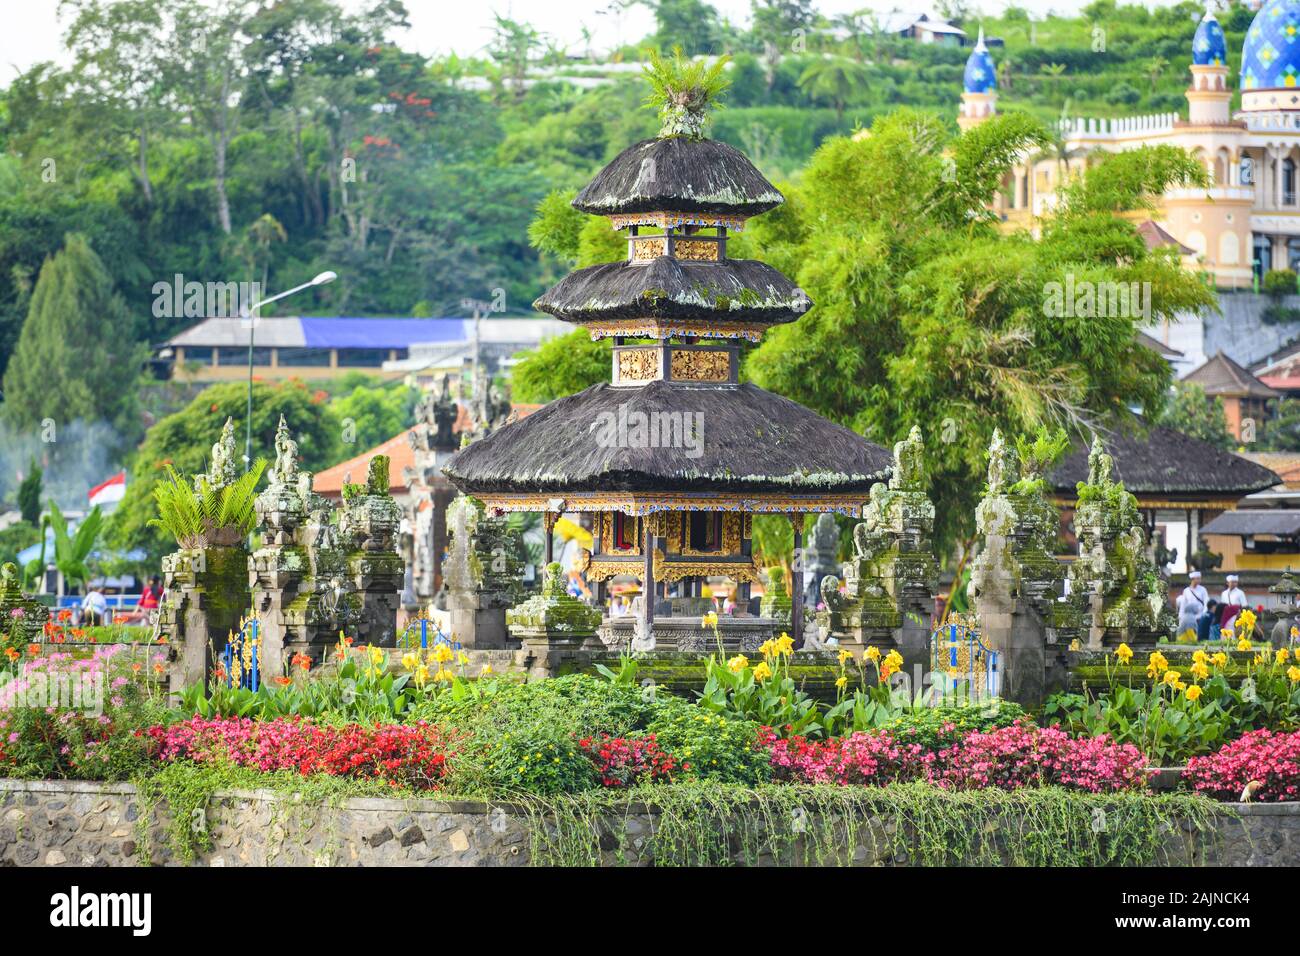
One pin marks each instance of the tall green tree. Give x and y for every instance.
(1194, 413)
(927, 313)
(75, 359)
(29, 493)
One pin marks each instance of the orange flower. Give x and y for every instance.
(136, 667)
(162, 638)
(284, 681)
(301, 660)
(33, 649)
(12, 654)
(158, 668)
(65, 615)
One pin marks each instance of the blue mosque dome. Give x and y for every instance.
(980, 75)
(1270, 57)
(1209, 48)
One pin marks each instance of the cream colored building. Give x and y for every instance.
(1249, 218)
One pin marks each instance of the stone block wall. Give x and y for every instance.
(55, 823)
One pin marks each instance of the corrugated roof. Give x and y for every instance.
(344, 333)
(1155, 238)
(1275, 521)
(1220, 375)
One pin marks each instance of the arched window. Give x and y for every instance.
(1288, 182)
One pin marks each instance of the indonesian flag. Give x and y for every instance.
(109, 492)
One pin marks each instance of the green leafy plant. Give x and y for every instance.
(71, 551)
(683, 90)
(207, 514)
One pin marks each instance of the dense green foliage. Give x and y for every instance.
(1193, 413)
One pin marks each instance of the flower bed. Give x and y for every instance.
(1008, 758)
(411, 755)
(1261, 765)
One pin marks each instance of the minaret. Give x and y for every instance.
(979, 98)
(1209, 97)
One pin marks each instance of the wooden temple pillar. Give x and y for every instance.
(648, 585)
(796, 590)
(548, 522)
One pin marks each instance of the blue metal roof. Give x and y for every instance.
(328, 332)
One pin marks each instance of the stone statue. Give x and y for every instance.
(1000, 464)
(1099, 463)
(285, 470)
(821, 555)
(909, 463)
(225, 469)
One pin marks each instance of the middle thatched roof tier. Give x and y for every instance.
(681, 175)
(734, 291)
(668, 445)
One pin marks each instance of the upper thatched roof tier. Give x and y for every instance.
(1164, 462)
(749, 442)
(679, 174)
(738, 290)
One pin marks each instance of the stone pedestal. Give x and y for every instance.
(205, 596)
(775, 602)
(368, 524)
(483, 572)
(553, 625)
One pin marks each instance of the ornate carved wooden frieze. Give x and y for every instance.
(638, 365)
(697, 250)
(700, 365)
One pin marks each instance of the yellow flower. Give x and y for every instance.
(738, 663)
(873, 654)
(487, 669)
(894, 659)
(1293, 674)
(762, 672)
(709, 620)
(443, 675)
(1172, 677)
(767, 649)
(1199, 670)
(1201, 657)
(785, 644)
(462, 658)
(845, 655)
(1295, 632)
(1259, 660)
(442, 653)
(1225, 633)
(1281, 656)
(1193, 692)
(1179, 686)
(1246, 620)
(421, 675)
(1156, 664)
(1220, 659)
(1124, 653)
(377, 655)
(842, 682)
(409, 661)
(1244, 644)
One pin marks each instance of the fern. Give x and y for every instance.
(193, 516)
(683, 90)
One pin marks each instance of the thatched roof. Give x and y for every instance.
(752, 442)
(1161, 461)
(739, 290)
(679, 174)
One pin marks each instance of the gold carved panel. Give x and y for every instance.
(732, 528)
(638, 365)
(701, 366)
(651, 247)
(696, 250)
(605, 524)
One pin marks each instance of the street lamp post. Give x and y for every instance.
(249, 315)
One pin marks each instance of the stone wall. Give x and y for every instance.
(50, 823)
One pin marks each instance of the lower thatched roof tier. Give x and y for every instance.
(679, 174)
(734, 290)
(749, 442)
(1160, 463)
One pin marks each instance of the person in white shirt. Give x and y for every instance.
(1233, 600)
(1191, 603)
(94, 606)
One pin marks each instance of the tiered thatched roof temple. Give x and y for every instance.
(675, 454)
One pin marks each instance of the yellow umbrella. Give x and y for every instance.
(567, 530)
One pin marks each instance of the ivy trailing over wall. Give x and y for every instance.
(711, 825)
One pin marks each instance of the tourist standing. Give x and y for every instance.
(1233, 600)
(1192, 603)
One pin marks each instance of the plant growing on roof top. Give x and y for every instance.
(683, 90)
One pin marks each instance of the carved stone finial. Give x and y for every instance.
(285, 470)
(999, 463)
(909, 463)
(1099, 463)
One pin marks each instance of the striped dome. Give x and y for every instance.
(980, 75)
(1209, 48)
(1270, 57)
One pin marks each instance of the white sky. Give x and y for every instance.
(32, 31)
